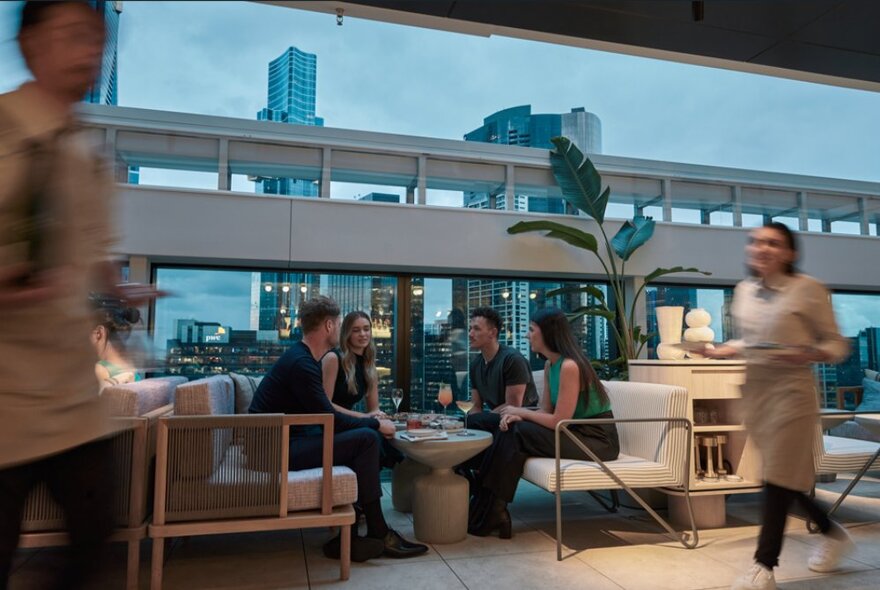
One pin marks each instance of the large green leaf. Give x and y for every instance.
(588, 289)
(578, 179)
(659, 272)
(632, 235)
(591, 310)
(570, 235)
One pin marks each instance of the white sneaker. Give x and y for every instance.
(757, 578)
(834, 547)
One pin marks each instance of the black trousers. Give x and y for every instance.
(503, 463)
(487, 421)
(81, 480)
(777, 503)
(356, 449)
(388, 455)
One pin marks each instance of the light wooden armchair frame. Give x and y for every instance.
(219, 501)
(857, 392)
(133, 451)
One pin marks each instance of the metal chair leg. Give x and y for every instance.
(811, 526)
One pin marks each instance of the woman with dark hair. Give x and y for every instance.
(572, 391)
(109, 337)
(350, 373)
(786, 323)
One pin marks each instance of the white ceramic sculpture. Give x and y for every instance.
(669, 319)
(698, 329)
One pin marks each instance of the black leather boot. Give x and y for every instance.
(496, 518)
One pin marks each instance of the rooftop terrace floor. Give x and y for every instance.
(603, 551)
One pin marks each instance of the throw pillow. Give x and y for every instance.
(871, 396)
(872, 375)
(245, 387)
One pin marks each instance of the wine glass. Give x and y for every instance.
(444, 397)
(397, 397)
(465, 405)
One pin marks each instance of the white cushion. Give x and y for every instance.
(652, 454)
(304, 488)
(844, 454)
(586, 475)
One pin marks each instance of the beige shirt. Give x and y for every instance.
(795, 311)
(780, 400)
(48, 393)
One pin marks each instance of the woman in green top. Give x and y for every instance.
(571, 390)
(109, 336)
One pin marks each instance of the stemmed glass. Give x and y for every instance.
(397, 397)
(465, 405)
(444, 397)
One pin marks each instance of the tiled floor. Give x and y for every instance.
(603, 551)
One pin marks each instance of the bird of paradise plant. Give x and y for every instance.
(581, 185)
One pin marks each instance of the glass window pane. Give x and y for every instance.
(217, 321)
(858, 316)
(715, 300)
(441, 309)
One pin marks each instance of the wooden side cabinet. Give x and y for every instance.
(715, 408)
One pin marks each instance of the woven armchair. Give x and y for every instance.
(136, 408)
(228, 474)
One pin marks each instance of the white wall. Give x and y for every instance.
(236, 229)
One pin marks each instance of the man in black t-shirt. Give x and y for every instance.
(294, 385)
(499, 375)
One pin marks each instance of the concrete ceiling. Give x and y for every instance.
(826, 41)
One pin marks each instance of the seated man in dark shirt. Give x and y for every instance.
(294, 386)
(499, 375)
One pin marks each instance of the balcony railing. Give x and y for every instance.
(495, 176)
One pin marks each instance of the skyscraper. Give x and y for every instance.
(275, 300)
(291, 99)
(512, 299)
(104, 91)
(518, 126)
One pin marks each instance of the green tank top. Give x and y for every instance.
(588, 404)
(115, 370)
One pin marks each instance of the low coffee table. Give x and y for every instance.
(440, 498)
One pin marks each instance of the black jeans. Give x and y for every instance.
(488, 422)
(356, 449)
(81, 480)
(777, 502)
(504, 461)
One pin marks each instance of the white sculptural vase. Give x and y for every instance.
(698, 329)
(669, 318)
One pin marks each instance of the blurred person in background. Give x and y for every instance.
(54, 240)
(110, 337)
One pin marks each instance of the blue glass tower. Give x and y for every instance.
(104, 90)
(291, 99)
(512, 299)
(518, 126)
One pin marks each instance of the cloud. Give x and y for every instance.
(212, 58)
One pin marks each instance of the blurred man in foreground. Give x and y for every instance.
(54, 240)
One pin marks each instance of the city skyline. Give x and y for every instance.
(395, 79)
